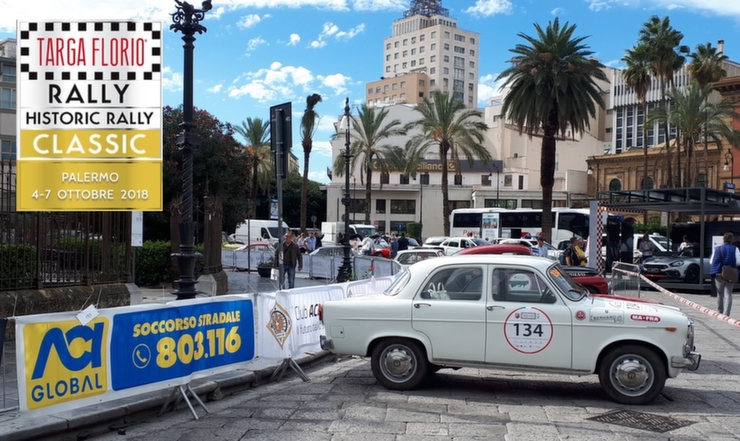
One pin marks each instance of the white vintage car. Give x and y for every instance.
(517, 313)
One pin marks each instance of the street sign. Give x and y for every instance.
(281, 137)
(89, 116)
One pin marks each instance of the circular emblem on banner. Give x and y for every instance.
(528, 330)
(141, 356)
(279, 324)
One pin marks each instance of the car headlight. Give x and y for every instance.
(679, 263)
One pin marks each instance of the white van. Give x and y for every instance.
(255, 230)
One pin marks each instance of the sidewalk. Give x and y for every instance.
(15, 425)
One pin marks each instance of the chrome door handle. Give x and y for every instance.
(492, 307)
(419, 305)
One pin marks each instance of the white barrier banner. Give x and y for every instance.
(227, 258)
(70, 359)
(367, 286)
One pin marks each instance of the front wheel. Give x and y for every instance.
(632, 374)
(692, 274)
(399, 364)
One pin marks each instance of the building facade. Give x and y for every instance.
(8, 94)
(427, 51)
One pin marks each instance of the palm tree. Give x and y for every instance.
(308, 127)
(553, 89)
(706, 64)
(256, 133)
(368, 144)
(706, 67)
(691, 114)
(456, 130)
(663, 40)
(637, 77)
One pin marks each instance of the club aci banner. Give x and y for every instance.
(70, 359)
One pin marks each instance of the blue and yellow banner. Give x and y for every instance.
(65, 363)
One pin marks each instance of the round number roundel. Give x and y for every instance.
(528, 330)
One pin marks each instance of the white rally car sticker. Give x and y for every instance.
(645, 318)
(601, 315)
(528, 330)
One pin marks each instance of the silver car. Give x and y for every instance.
(684, 266)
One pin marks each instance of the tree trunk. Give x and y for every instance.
(445, 189)
(304, 188)
(645, 147)
(547, 173)
(368, 191)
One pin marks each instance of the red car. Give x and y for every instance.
(588, 277)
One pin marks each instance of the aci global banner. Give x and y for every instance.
(64, 362)
(89, 116)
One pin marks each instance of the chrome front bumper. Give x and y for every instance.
(326, 343)
(690, 362)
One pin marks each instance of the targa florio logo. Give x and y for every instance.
(280, 324)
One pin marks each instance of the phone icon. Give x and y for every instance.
(141, 359)
(141, 356)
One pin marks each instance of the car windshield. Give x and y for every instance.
(481, 241)
(413, 242)
(398, 283)
(662, 241)
(572, 289)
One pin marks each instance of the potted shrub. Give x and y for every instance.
(265, 267)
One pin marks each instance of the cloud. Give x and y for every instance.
(215, 89)
(557, 11)
(486, 8)
(254, 43)
(380, 5)
(294, 39)
(329, 30)
(600, 5)
(171, 81)
(337, 82)
(248, 21)
(277, 81)
(488, 87)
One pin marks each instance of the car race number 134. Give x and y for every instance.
(528, 330)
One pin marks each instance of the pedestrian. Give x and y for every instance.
(725, 255)
(685, 244)
(540, 250)
(403, 242)
(291, 257)
(646, 247)
(317, 237)
(340, 239)
(311, 243)
(570, 253)
(368, 245)
(302, 243)
(394, 246)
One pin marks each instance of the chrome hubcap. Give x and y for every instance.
(632, 375)
(398, 363)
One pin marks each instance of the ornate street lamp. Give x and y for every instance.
(187, 20)
(345, 271)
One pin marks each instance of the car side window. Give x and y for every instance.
(462, 283)
(520, 285)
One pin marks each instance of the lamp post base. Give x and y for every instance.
(345, 273)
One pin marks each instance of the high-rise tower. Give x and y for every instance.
(426, 52)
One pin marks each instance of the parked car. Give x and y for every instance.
(333, 250)
(434, 241)
(410, 257)
(588, 277)
(454, 244)
(683, 266)
(382, 249)
(552, 252)
(515, 313)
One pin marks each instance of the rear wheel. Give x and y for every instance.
(399, 364)
(632, 374)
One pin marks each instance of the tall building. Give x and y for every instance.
(427, 52)
(7, 99)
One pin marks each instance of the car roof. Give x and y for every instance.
(541, 263)
(497, 249)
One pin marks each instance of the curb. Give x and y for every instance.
(82, 423)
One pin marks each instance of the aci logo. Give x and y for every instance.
(65, 361)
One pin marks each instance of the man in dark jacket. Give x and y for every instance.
(403, 243)
(291, 257)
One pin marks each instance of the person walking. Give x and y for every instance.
(646, 247)
(570, 253)
(368, 245)
(726, 254)
(540, 250)
(311, 243)
(291, 257)
(403, 242)
(394, 246)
